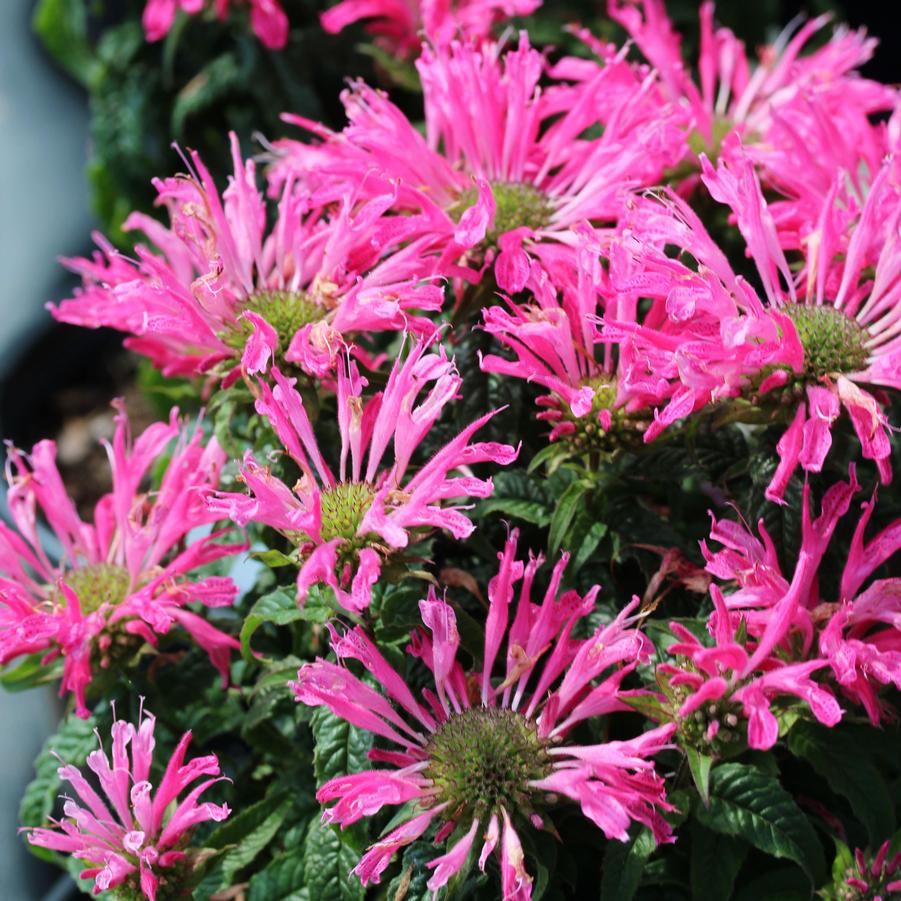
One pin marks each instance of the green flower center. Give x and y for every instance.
(832, 342)
(484, 758)
(626, 429)
(694, 730)
(286, 311)
(516, 205)
(95, 585)
(343, 509)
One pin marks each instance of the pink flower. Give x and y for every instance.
(481, 751)
(783, 92)
(597, 394)
(865, 875)
(134, 837)
(811, 340)
(267, 18)
(224, 294)
(503, 165)
(401, 25)
(858, 633)
(345, 526)
(715, 688)
(124, 578)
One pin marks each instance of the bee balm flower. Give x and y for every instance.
(223, 295)
(133, 838)
(122, 579)
(344, 526)
(479, 755)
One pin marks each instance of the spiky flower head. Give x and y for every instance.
(481, 754)
(133, 839)
(344, 526)
(123, 579)
(223, 295)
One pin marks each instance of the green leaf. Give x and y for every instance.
(73, 742)
(340, 747)
(213, 83)
(328, 860)
(715, 862)
(584, 538)
(62, 27)
(623, 865)
(282, 879)
(30, 672)
(845, 767)
(567, 507)
(280, 608)
(533, 512)
(270, 688)
(747, 803)
(242, 838)
(700, 765)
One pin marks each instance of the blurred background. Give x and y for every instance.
(70, 164)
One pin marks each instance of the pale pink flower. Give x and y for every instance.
(345, 525)
(132, 835)
(401, 25)
(267, 18)
(226, 294)
(481, 751)
(503, 166)
(125, 577)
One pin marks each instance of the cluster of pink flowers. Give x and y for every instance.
(556, 201)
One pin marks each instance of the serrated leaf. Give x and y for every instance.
(843, 763)
(282, 879)
(328, 860)
(73, 741)
(715, 862)
(270, 688)
(241, 839)
(699, 764)
(748, 803)
(340, 747)
(532, 512)
(623, 865)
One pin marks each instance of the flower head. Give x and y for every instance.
(503, 165)
(344, 525)
(783, 94)
(133, 837)
(400, 25)
(267, 18)
(481, 752)
(224, 296)
(123, 578)
(811, 341)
